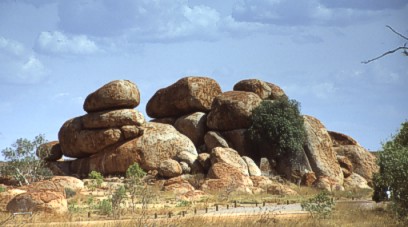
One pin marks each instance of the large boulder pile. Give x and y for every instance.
(197, 130)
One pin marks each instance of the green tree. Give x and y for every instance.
(279, 124)
(118, 196)
(393, 172)
(22, 163)
(320, 206)
(134, 175)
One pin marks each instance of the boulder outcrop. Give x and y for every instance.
(231, 157)
(50, 151)
(214, 139)
(193, 126)
(170, 168)
(187, 95)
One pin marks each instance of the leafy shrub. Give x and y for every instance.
(69, 192)
(134, 175)
(279, 124)
(97, 179)
(393, 173)
(2, 189)
(117, 198)
(320, 206)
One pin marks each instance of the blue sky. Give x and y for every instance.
(54, 53)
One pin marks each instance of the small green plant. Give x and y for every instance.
(134, 176)
(97, 179)
(118, 196)
(2, 189)
(73, 207)
(320, 206)
(69, 192)
(105, 207)
(183, 203)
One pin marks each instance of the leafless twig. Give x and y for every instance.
(403, 48)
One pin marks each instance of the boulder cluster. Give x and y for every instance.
(196, 129)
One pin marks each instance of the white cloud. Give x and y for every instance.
(18, 65)
(301, 13)
(58, 43)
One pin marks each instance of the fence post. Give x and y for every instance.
(206, 210)
(263, 204)
(89, 214)
(155, 215)
(235, 204)
(287, 202)
(256, 203)
(216, 207)
(169, 214)
(195, 210)
(227, 206)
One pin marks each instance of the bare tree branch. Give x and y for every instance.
(386, 53)
(403, 48)
(396, 32)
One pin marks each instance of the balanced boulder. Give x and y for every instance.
(50, 151)
(187, 95)
(263, 89)
(232, 110)
(118, 94)
(193, 126)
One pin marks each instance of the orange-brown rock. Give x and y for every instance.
(170, 168)
(158, 143)
(327, 183)
(165, 120)
(44, 196)
(178, 185)
(232, 110)
(263, 89)
(319, 150)
(346, 165)
(118, 94)
(340, 139)
(50, 151)
(113, 119)
(223, 176)
(68, 182)
(308, 179)
(231, 157)
(187, 95)
(77, 142)
(193, 126)
(364, 163)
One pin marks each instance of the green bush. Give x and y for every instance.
(2, 189)
(393, 172)
(279, 124)
(320, 206)
(97, 179)
(183, 203)
(134, 177)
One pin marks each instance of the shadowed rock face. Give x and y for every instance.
(188, 95)
(232, 110)
(50, 151)
(118, 94)
(319, 151)
(340, 139)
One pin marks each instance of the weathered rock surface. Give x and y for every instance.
(214, 139)
(158, 143)
(193, 126)
(232, 110)
(231, 157)
(253, 169)
(308, 179)
(340, 139)
(68, 182)
(263, 89)
(346, 165)
(113, 119)
(170, 168)
(44, 196)
(187, 95)
(224, 176)
(77, 142)
(50, 151)
(118, 94)
(178, 185)
(165, 120)
(356, 181)
(7, 196)
(364, 163)
(319, 151)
